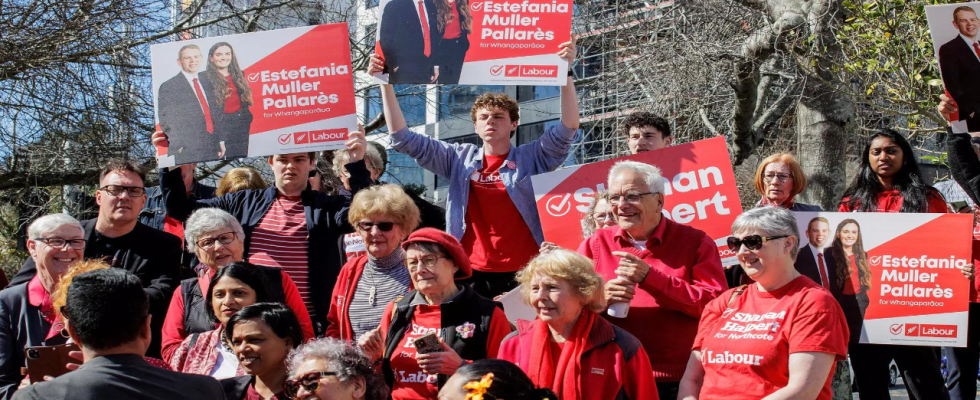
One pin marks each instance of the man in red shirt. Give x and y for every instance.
(490, 207)
(666, 271)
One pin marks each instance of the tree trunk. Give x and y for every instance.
(823, 120)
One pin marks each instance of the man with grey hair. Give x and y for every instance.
(665, 271)
(118, 236)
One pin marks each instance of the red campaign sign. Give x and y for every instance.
(699, 191)
(257, 94)
(509, 42)
(917, 294)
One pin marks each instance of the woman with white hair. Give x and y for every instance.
(333, 369)
(27, 316)
(775, 338)
(217, 239)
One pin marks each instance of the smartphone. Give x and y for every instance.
(427, 344)
(49, 360)
(958, 205)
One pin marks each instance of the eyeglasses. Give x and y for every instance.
(117, 190)
(779, 177)
(224, 238)
(57, 242)
(633, 198)
(309, 381)
(382, 226)
(604, 216)
(751, 242)
(429, 260)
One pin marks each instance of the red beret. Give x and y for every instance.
(452, 246)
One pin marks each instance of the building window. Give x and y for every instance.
(456, 100)
(530, 132)
(471, 139)
(411, 98)
(403, 170)
(371, 4)
(525, 93)
(370, 37)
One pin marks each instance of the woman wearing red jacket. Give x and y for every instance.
(889, 180)
(569, 348)
(383, 216)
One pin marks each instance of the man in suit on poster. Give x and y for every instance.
(959, 62)
(408, 38)
(811, 261)
(185, 113)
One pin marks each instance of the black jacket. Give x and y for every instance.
(182, 119)
(151, 255)
(124, 376)
(21, 325)
(806, 265)
(466, 306)
(402, 43)
(964, 165)
(154, 213)
(326, 222)
(196, 317)
(960, 69)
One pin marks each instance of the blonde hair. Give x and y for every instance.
(60, 294)
(389, 201)
(570, 267)
(799, 178)
(240, 178)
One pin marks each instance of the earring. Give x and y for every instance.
(64, 333)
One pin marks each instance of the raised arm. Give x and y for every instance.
(569, 99)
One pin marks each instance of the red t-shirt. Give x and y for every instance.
(453, 29)
(233, 103)
(891, 201)
(745, 348)
(252, 394)
(410, 381)
(853, 285)
(281, 240)
(497, 238)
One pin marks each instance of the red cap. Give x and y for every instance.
(452, 246)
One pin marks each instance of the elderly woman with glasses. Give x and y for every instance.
(569, 339)
(217, 239)
(383, 217)
(331, 369)
(779, 179)
(778, 336)
(450, 320)
(27, 316)
(599, 215)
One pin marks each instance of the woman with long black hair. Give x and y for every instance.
(454, 22)
(233, 98)
(888, 180)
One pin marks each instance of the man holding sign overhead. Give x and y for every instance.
(491, 207)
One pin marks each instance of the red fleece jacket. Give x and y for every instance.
(685, 274)
(614, 362)
(339, 323)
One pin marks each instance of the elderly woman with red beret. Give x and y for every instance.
(469, 327)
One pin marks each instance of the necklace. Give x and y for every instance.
(373, 291)
(224, 341)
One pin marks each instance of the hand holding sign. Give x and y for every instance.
(357, 144)
(567, 51)
(946, 107)
(376, 65)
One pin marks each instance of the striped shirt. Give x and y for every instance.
(281, 240)
(390, 279)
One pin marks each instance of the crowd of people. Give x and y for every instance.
(248, 291)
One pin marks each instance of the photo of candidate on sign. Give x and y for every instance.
(954, 34)
(253, 94)
(473, 42)
(896, 276)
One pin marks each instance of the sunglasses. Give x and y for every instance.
(751, 242)
(382, 226)
(309, 381)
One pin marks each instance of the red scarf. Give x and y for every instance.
(561, 378)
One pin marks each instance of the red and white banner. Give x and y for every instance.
(916, 294)
(699, 191)
(254, 94)
(509, 42)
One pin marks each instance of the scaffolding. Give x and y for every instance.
(612, 41)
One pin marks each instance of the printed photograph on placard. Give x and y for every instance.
(473, 42)
(954, 35)
(896, 276)
(255, 94)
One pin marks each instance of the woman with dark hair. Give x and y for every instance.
(848, 249)
(454, 22)
(492, 379)
(262, 336)
(210, 353)
(232, 98)
(888, 180)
